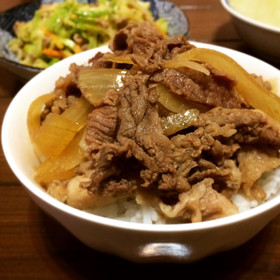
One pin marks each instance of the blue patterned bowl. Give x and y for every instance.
(177, 24)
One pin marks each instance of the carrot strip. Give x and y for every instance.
(53, 53)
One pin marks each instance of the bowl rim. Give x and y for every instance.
(114, 223)
(248, 20)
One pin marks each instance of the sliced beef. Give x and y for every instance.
(140, 103)
(149, 48)
(199, 88)
(191, 174)
(253, 162)
(252, 126)
(144, 41)
(65, 93)
(101, 126)
(199, 150)
(177, 45)
(146, 45)
(140, 136)
(201, 203)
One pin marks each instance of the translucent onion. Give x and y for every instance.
(174, 123)
(94, 83)
(123, 59)
(55, 134)
(176, 103)
(52, 136)
(78, 112)
(252, 92)
(181, 60)
(34, 114)
(62, 167)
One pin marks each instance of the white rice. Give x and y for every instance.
(270, 183)
(129, 210)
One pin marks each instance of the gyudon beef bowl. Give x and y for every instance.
(154, 149)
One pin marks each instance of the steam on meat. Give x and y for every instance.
(189, 176)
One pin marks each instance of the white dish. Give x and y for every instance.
(262, 38)
(136, 242)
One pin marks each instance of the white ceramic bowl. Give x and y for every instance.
(262, 38)
(136, 242)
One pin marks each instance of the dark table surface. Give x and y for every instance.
(35, 246)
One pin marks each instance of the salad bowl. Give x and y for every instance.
(177, 24)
